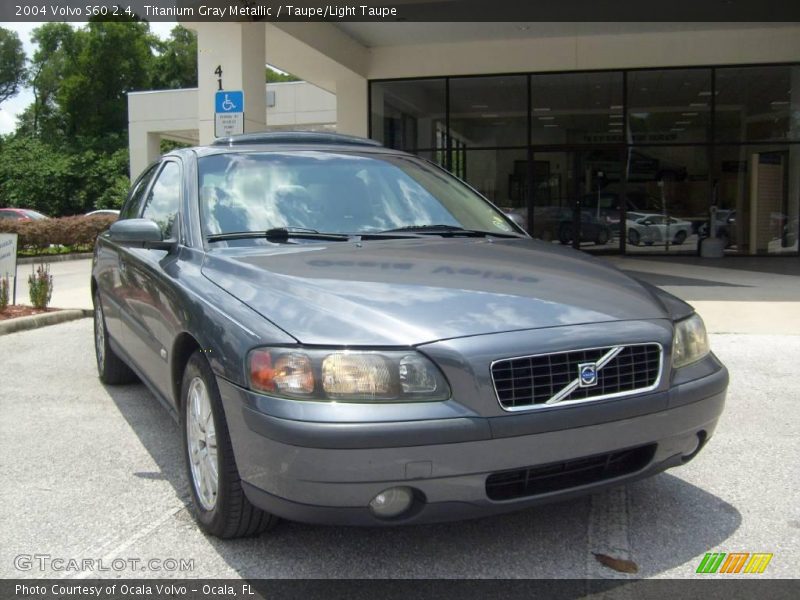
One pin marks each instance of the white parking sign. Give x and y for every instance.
(8, 254)
(228, 113)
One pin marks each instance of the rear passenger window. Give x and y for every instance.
(133, 206)
(164, 199)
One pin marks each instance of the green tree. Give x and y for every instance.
(12, 64)
(274, 76)
(114, 57)
(54, 59)
(175, 65)
(35, 175)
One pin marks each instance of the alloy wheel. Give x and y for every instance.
(201, 439)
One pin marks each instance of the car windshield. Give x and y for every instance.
(336, 193)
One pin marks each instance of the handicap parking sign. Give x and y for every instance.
(228, 113)
(229, 102)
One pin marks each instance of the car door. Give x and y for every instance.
(151, 315)
(108, 259)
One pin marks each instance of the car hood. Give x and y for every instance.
(412, 291)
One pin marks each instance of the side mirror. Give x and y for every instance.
(139, 232)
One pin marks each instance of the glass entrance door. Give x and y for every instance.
(577, 198)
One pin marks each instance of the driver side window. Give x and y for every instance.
(164, 199)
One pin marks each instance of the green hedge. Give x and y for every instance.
(77, 233)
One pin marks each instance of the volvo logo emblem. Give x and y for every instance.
(587, 374)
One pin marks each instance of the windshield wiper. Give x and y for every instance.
(280, 234)
(450, 230)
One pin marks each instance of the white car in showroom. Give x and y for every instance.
(656, 229)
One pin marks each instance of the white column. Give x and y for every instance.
(352, 109)
(239, 49)
(144, 147)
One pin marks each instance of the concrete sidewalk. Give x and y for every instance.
(733, 295)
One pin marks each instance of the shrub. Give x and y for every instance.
(78, 233)
(40, 286)
(3, 293)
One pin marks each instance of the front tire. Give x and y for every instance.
(680, 237)
(111, 369)
(634, 237)
(218, 500)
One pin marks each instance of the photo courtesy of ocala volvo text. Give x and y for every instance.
(348, 334)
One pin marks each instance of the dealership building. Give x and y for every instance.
(614, 137)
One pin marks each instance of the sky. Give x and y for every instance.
(13, 107)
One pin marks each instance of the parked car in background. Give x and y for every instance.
(606, 207)
(349, 334)
(652, 229)
(103, 211)
(556, 223)
(21, 214)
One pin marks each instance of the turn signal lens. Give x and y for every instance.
(289, 374)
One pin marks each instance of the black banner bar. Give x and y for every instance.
(404, 10)
(735, 587)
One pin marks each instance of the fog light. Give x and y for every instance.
(392, 502)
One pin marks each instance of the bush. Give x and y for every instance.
(40, 286)
(77, 233)
(3, 293)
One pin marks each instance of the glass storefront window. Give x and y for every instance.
(577, 108)
(669, 106)
(501, 176)
(756, 190)
(407, 114)
(758, 104)
(667, 197)
(695, 138)
(489, 111)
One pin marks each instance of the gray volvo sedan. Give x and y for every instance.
(348, 334)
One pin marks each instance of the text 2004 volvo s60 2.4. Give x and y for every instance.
(348, 334)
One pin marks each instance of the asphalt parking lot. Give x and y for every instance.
(90, 472)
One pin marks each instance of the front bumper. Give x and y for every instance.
(328, 472)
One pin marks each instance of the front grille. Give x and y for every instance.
(531, 381)
(554, 477)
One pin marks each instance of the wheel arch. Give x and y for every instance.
(182, 349)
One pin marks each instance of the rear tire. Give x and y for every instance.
(602, 237)
(219, 504)
(111, 369)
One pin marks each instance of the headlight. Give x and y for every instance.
(346, 376)
(690, 343)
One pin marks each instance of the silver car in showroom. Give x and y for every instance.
(348, 334)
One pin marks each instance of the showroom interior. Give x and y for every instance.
(616, 138)
(664, 143)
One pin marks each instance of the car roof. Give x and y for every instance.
(289, 141)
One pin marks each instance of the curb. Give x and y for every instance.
(28, 260)
(43, 320)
